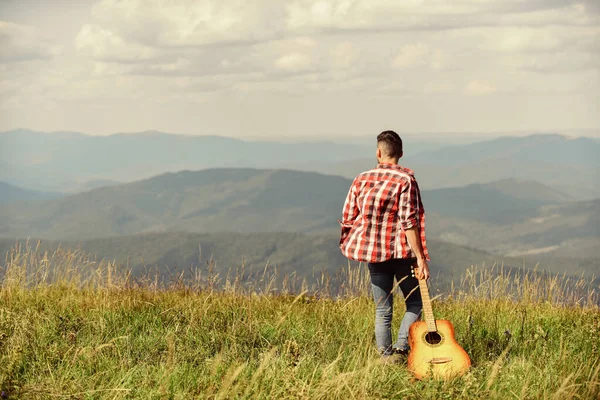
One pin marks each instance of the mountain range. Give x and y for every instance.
(45, 161)
(569, 165)
(158, 197)
(506, 217)
(10, 194)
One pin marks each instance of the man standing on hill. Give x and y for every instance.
(383, 224)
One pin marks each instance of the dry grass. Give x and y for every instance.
(75, 328)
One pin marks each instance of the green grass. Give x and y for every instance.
(103, 336)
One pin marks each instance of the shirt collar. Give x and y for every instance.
(395, 166)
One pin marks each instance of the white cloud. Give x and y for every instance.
(175, 52)
(480, 87)
(104, 45)
(418, 55)
(177, 23)
(435, 15)
(412, 55)
(22, 43)
(536, 39)
(344, 55)
(294, 62)
(523, 39)
(438, 88)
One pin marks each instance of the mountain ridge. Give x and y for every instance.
(11, 193)
(489, 216)
(46, 161)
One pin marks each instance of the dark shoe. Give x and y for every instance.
(401, 352)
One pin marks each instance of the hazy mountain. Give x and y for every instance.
(226, 200)
(542, 148)
(10, 193)
(503, 217)
(565, 230)
(568, 165)
(96, 183)
(501, 202)
(65, 161)
(529, 190)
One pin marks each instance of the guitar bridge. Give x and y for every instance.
(440, 360)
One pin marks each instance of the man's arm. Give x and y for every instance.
(349, 213)
(414, 240)
(409, 205)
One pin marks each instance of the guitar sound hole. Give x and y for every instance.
(433, 338)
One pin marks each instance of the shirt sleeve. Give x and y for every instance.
(350, 211)
(410, 199)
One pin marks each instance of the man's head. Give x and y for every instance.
(389, 147)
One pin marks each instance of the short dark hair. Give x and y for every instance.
(392, 143)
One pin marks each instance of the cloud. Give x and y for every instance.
(435, 15)
(294, 62)
(190, 23)
(536, 39)
(479, 87)
(187, 37)
(165, 50)
(105, 45)
(184, 23)
(22, 43)
(345, 55)
(418, 55)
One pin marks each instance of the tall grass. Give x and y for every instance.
(74, 327)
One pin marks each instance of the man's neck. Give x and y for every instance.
(389, 161)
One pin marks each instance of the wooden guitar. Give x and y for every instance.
(433, 350)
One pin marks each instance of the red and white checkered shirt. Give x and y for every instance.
(381, 204)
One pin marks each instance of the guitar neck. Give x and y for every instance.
(427, 309)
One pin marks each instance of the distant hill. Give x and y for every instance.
(224, 200)
(64, 161)
(567, 165)
(565, 230)
(534, 148)
(529, 190)
(504, 217)
(502, 202)
(10, 193)
(94, 184)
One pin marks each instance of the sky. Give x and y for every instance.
(300, 68)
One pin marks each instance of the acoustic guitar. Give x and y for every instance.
(433, 350)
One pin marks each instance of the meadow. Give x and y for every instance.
(75, 328)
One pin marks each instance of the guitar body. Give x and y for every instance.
(435, 354)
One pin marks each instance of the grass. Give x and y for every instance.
(78, 329)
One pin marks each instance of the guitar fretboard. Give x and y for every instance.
(427, 309)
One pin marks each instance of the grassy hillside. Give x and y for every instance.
(109, 338)
(300, 255)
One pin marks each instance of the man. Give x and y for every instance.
(383, 224)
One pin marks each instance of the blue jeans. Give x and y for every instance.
(382, 283)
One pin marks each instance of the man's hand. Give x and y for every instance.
(422, 269)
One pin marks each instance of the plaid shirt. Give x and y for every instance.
(381, 205)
